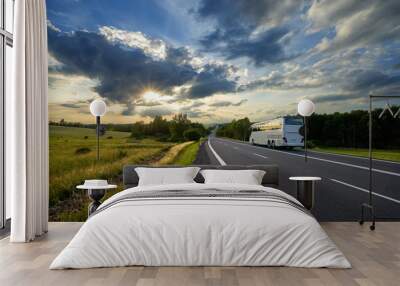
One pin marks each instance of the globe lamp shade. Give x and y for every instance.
(98, 107)
(306, 107)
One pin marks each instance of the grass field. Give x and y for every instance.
(73, 159)
(171, 156)
(188, 154)
(391, 155)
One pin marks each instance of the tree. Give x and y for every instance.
(237, 129)
(192, 134)
(159, 126)
(242, 129)
(138, 130)
(163, 129)
(177, 126)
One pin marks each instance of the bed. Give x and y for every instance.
(198, 224)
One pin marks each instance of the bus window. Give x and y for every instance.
(293, 121)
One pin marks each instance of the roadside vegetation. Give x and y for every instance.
(350, 129)
(178, 129)
(171, 156)
(188, 154)
(390, 155)
(73, 159)
(237, 129)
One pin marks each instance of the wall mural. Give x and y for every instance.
(175, 74)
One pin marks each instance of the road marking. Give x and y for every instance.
(219, 159)
(259, 155)
(365, 191)
(235, 147)
(330, 161)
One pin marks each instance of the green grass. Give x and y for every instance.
(73, 159)
(188, 154)
(391, 155)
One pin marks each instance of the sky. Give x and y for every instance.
(218, 60)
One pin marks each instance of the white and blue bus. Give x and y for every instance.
(280, 132)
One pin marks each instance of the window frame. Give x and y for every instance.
(6, 39)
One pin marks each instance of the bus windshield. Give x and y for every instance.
(293, 121)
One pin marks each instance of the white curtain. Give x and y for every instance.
(27, 124)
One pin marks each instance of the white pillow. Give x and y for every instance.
(166, 176)
(248, 177)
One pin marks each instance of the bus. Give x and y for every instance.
(280, 132)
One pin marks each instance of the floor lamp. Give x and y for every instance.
(370, 204)
(305, 108)
(98, 108)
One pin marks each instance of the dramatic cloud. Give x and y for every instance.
(156, 111)
(248, 13)
(211, 80)
(198, 114)
(71, 105)
(154, 48)
(357, 23)
(331, 98)
(249, 29)
(358, 84)
(124, 72)
(199, 56)
(362, 80)
(297, 79)
(265, 48)
(228, 103)
(148, 103)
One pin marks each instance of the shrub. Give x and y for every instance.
(82, 150)
(311, 144)
(192, 134)
(86, 137)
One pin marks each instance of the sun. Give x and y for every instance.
(151, 95)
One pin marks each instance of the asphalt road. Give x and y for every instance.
(344, 185)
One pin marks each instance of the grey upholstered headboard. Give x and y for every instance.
(271, 177)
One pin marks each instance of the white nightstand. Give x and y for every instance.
(95, 193)
(305, 190)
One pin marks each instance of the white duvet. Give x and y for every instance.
(193, 231)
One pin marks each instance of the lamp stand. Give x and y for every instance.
(305, 138)
(98, 136)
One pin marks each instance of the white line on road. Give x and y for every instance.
(331, 161)
(219, 159)
(259, 155)
(365, 190)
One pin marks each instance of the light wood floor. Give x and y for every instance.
(375, 257)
